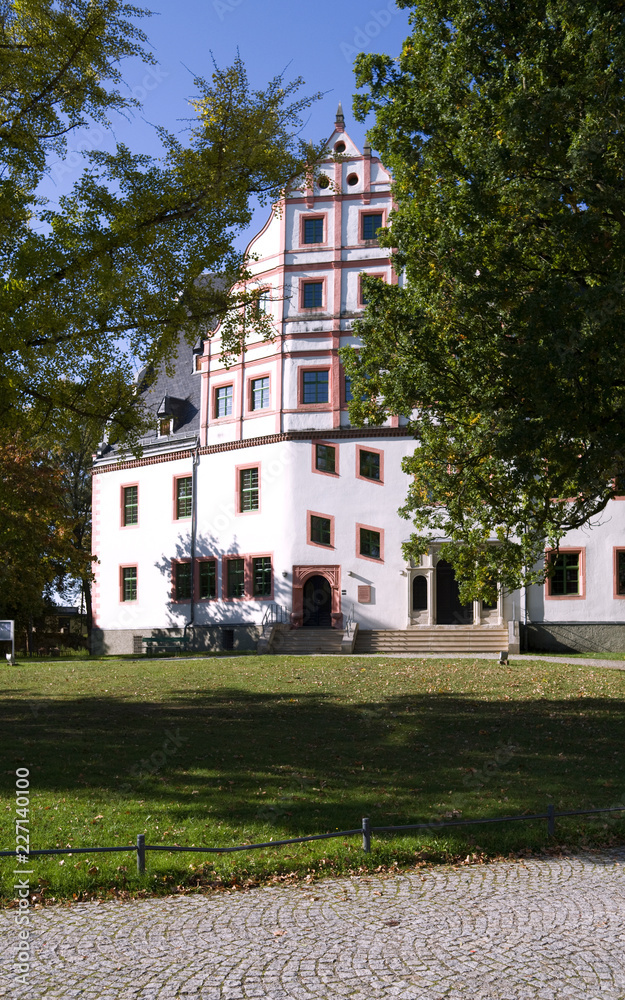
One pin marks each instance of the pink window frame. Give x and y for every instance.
(370, 211)
(302, 223)
(126, 486)
(184, 475)
(582, 574)
(224, 578)
(249, 576)
(172, 582)
(367, 274)
(122, 567)
(238, 469)
(224, 385)
(254, 378)
(205, 559)
(374, 451)
(300, 387)
(318, 545)
(370, 527)
(320, 472)
(324, 293)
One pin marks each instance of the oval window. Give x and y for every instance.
(352, 179)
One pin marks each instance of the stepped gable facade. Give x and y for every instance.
(255, 501)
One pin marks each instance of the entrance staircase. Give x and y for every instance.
(300, 641)
(433, 639)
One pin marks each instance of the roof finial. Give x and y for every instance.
(339, 124)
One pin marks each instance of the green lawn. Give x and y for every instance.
(244, 749)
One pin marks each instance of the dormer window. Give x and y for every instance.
(164, 427)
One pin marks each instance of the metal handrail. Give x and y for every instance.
(350, 621)
(275, 614)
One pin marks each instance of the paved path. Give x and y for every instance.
(540, 928)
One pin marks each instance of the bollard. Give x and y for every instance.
(551, 819)
(366, 835)
(141, 853)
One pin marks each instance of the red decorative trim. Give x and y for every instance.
(184, 475)
(172, 581)
(206, 559)
(300, 387)
(121, 582)
(328, 517)
(370, 210)
(616, 550)
(374, 451)
(238, 469)
(263, 410)
(304, 216)
(321, 472)
(582, 574)
(370, 527)
(122, 505)
(323, 281)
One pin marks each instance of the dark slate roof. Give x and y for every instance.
(176, 394)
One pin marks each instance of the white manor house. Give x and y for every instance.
(257, 517)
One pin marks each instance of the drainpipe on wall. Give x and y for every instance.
(196, 462)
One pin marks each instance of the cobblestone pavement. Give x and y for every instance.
(539, 928)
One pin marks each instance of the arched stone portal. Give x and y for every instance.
(317, 597)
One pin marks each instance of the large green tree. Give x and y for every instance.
(503, 123)
(109, 277)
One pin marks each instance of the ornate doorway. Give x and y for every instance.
(317, 603)
(449, 610)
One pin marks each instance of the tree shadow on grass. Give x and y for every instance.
(305, 763)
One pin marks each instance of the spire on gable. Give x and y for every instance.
(339, 124)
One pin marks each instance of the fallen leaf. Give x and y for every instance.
(279, 933)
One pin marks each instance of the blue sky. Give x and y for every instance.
(315, 41)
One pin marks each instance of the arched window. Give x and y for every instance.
(419, 594)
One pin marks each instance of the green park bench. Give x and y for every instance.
(155, 642)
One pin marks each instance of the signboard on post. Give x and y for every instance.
(7, 634)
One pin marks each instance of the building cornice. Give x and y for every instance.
(357, 433)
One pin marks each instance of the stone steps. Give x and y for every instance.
(435, 639)
(306, 640)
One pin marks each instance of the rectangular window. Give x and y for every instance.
(260, 394)
(371, 222)
(369, 543)
(182, 581)
(131, 505)
(369, 464)
(320, 530)
(620, 573)
(223, 401)
(235, 575)
(248, 490)
(565, 579)
(261, 576)
(129, 583)
(315, 386)
(313, 230)
(164, 427)
(208, 580)
(184, 497)
(313, 294)
(325, 458)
